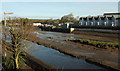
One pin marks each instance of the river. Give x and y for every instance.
(58, 59)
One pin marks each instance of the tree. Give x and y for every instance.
(49, 21)
(16, 60)
(17, 48)
(56, 21)
(67, 18)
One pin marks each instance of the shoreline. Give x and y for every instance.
(90, 58)
(68, 51)
(37, 64)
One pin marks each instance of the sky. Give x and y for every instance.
(60, 0)
(55, 10)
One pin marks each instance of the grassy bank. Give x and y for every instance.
(99, 44)
(32, 62)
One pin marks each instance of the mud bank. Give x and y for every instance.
(98, 36)
(104, 62)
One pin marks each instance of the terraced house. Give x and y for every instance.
(108, 19)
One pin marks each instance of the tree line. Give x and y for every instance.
(25, 21)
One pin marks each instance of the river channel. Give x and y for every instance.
(58, 59)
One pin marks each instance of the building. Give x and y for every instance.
(115, 18)
(108, 19)
(112, 14)
(90, 21)
(36, 24)
(66, 25)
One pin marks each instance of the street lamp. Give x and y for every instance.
(5, 26)
(5, 16)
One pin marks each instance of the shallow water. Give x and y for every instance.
(60, 60)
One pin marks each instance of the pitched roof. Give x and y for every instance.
(85, 18)
(81, 18)
(115, 15)
(109, 18)
(111, 13)
(96, 18)
(118, 19)
(90, 18)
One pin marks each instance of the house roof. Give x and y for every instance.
(96, 18)
(106, 15)
(109, 18)
(115, 15)
(85, 18)
(81, 18)
(118, 19)
(90, 18)
(111, 13)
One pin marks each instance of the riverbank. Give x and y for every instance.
(98, 44)
(102, 56)
(31, 63)
(37, 65)
(105, 36)
(98, 56)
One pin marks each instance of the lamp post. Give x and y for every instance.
(5, 16)
(5, 27)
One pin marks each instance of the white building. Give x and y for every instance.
(81, 21)
(108, 19)
(36, 24)
(115, 21)
(91, 21)
(97, 21)
(102, 20)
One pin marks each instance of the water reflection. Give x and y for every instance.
(60, 60)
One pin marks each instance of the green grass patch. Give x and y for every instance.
(100, 44)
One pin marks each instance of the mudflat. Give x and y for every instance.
(106, 57)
